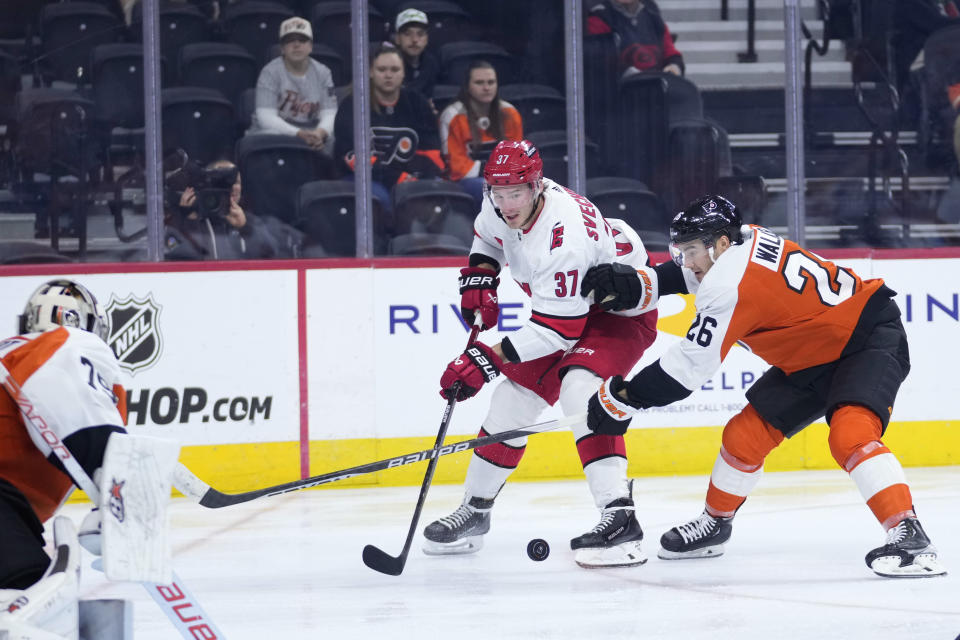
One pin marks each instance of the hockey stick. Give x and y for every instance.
(171, 605)
(376, 558)
(199, 491)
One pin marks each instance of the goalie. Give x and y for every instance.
(62, 416)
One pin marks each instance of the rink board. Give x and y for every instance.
(272, 371)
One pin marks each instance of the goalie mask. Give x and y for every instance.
(64, 303)
(513, 180)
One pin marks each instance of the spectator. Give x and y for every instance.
(405, 141)
(210, 222)
(421, 68)
(474, 124)
(912, 22)
(294, 91)
(642, 37)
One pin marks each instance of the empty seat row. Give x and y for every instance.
(69, 30)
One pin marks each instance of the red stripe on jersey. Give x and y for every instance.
(568, 327)
(596, 447)
(500, 453)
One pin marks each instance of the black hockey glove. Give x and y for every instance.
(607, 412)
(615, 286)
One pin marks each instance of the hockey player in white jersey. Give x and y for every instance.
(549, 236)
(63, 406)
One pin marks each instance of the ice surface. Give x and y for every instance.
(289, 567)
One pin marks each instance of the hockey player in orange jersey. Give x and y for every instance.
(837, 349)
(61, 403)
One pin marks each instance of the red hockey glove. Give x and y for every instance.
(607, 412)
(478, 292)
(472, 368)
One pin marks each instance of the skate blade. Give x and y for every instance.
(470, 544)
(924, 565)
(627, 554)
(713, 551)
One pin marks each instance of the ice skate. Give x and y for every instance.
(700, 538)
(461, 531)
(614, 542)
(908, 553)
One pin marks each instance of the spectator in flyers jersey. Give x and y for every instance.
(642, 37)
(294, 91)
(474, 124)
(549, 236)
(405, 141)
(837, 349)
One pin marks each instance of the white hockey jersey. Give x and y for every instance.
(73, 381)
(549, 259)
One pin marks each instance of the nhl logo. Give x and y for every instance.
(134, 332)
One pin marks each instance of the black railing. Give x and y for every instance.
(750, 55)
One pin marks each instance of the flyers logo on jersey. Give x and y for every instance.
(394, 144)
(134, 332)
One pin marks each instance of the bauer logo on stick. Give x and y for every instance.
(134, 331)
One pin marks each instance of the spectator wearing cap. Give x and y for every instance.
(642, 37)
(421, 67)
(294, 91)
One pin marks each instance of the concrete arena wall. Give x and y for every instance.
(269, 371)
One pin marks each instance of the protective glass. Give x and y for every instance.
(690, 252)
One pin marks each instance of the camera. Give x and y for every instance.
(212, 186)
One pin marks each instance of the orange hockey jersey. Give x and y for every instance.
(455, 137)
(73, 381)
(786, 304)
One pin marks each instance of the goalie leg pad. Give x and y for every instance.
(134, 488)
(48, 610)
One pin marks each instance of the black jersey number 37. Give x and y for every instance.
(701, 330)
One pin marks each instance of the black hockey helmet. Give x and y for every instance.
(707, 217)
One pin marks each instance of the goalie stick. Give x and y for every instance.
(199, 491)
(170, 605)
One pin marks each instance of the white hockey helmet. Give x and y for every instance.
(64, 303)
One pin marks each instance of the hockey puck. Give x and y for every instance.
(538, 549)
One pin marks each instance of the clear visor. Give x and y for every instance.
(690, 252)
(511, 197)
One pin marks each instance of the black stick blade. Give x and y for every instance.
(383, 562)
